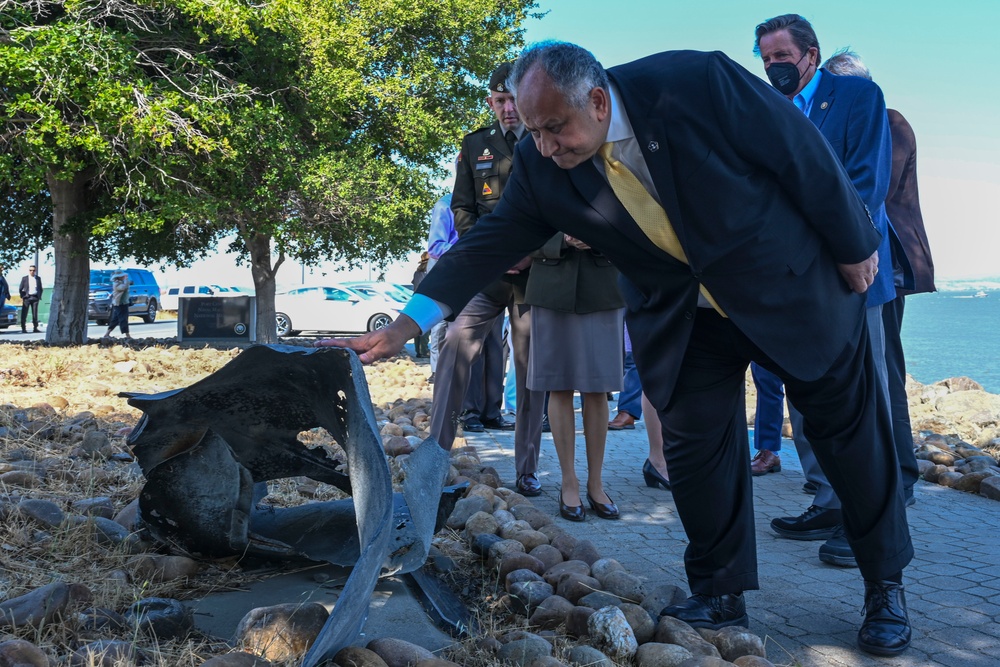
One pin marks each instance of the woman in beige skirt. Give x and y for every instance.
(576, 342)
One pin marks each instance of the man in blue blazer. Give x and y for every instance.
(769, 228)
(850, 112)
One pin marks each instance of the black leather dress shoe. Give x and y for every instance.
(498, 424)
(886, 628)
(837, 551)
(604, 510)
(528, 485)
(816, 523)
(571, 513)
(653, 477)
(708, 611)
(473, 425)
(810, 487)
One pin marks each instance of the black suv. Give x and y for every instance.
(144, 295)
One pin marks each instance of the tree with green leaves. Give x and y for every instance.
(360, 102)
(311, 129)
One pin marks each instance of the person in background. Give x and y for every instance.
(31, 293)
(769, 417)
(421, 343)
(4, 288)
(850, 113)
(576, 316)
(440, 238)
(119, 304)
(654, 470)
(902, 205)
(484, 167)
(630, 397)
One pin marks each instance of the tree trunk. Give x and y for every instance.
(263, 282)
(67, 323)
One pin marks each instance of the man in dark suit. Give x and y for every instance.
(483, 168)
(770, 256)
(31, 293)
(850, 112)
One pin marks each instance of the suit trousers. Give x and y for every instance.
(825, 495)
(462, 345)
(32, 304)
(769, 416)
(485, 395)
(707, 451)
(899, 405)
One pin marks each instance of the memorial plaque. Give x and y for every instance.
(217, 318)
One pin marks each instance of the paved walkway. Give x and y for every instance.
(807, 612)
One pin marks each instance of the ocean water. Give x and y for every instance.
(952, 333)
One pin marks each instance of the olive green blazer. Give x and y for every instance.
(572, 281)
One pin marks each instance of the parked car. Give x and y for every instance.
(393, 291)
(331, 309)
(8, 316)
(144, 295)
(171, 298)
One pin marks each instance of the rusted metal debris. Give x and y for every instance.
(208, 450)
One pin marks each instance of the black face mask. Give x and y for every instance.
(784, 76)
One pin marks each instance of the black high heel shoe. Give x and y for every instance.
(602, 510)
(569, 513)
(653, 477)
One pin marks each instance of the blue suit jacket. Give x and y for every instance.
(761, 205)
(850, 112)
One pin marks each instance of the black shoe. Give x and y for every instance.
(837, 551)
(546, 428)
(810, 487)
(472, 425)
(604, 510)
(816, 523)
(571, 513)
(653, 477)
(430, 380)
(498, 424)
(713, 612)
(886, 628)
(35, 330)
(528, 485)
(23, 330)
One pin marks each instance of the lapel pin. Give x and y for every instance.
(824, 105)
(653, 146)
(492, 132)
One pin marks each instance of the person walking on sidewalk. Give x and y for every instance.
(31, 293)
(119, 304)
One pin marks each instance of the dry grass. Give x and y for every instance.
(49, 397)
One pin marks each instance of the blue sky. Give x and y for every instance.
(934, 60)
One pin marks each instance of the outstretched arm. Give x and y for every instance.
(379, 344)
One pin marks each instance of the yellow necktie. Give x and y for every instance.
(646, 212)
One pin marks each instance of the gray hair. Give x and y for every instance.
(799, 29)
(847, 63)
(573, 69)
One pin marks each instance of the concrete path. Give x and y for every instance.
(807, 612)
